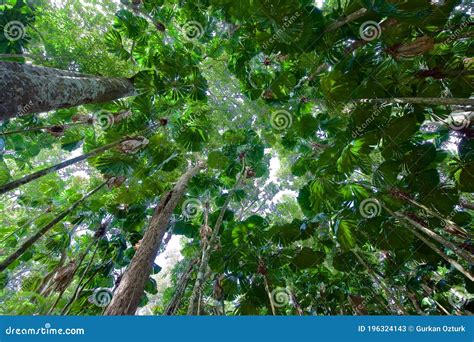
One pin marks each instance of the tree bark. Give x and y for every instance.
(33, 129)
(42, 289)
(345, 20)
(127, 296)
(76, 290)
(375, 278)
(32, 89)
(175, 301)
(461, 253)
(421, 101)
(19, 182)
(28, 243)
(206, 253)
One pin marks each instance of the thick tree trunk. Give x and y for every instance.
(130, 290)
(30, 89)
(28, 243)
(19, 182)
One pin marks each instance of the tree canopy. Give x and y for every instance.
(309, 158)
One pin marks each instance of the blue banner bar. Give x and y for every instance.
(241, 329)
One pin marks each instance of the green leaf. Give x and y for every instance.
(217, 160)
(344, 233)
(307, 258)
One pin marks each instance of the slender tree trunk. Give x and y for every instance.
(45, 282)
(269, 294)
(76, 290)
(462, 232)
(420, 100)
(414, 301)
(387, 291)
(39, 128)
(19, 182)
(175, 301)
(28, 243)
(130, 290)
(461, 253)
(81, 260)
(466, 205)
(28, 223)
(30, 89)
(453, 262)
(347, 19)
(201, 278)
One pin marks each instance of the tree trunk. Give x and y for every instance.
(42, 289)
(347, 19)
(206, 253)
(19, 182)
(388, 292)
(76, 290)
(28, 243)
(453, 262)
(466, 205)
(39, 128)
(421, 101)
(130, 290)
(461, 253)
(32, 89)
(175, 301)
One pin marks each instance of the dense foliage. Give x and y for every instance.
(337, 144)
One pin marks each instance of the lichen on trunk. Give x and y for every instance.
(30, 89)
